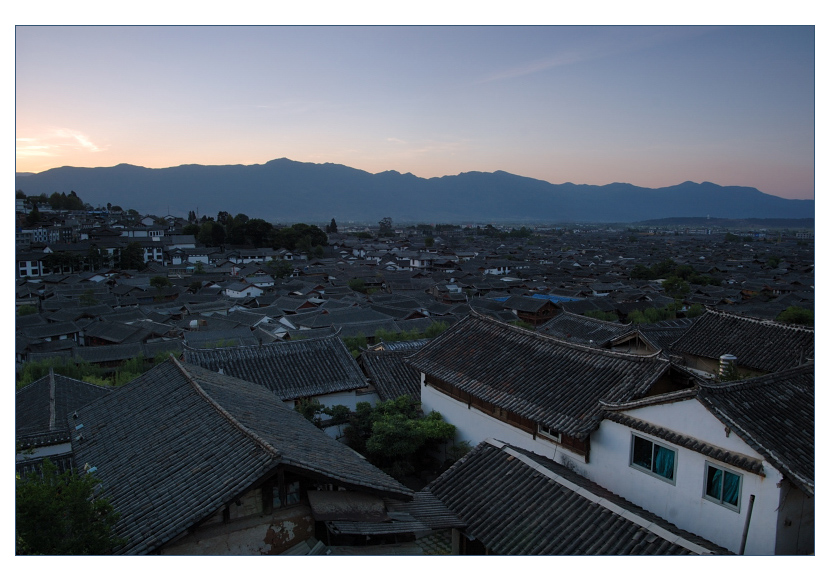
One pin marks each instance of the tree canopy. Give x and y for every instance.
(132, 257)
(60, 514)
(797, 315)
(396, 436)
(385, 227)
(300, 236)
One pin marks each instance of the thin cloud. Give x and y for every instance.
(79, 138)
(601, 49)
(55, 143)
(427, 147)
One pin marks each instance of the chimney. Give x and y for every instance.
(728, 365)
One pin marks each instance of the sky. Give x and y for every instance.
(649, 105)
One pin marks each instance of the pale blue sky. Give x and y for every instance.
(653, 106)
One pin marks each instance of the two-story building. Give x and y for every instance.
(708, 457)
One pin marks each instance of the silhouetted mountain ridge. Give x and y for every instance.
(286, 191)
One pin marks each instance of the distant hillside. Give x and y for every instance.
(285, 190)
(706, 222)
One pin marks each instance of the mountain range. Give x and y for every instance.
(283, 190)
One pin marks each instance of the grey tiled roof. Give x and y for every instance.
(541, 378)
(220, 338)
(115, 332)
(108, 353)
(369, 329)
(525, 304)
(340, 317)
(407, 345)
(391, 375)
(41, 408)
(291, 369)
(775, 414)
(663, 333)
(757, 343)
(583, 330)
(428, 509)
(518, 503)
(50, 330)
(176, 444)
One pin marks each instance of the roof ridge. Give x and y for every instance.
(598, 321)
(751, 382)
(651, 400)
(52, 406)
(223, 412)
(562, 342)
(770, 322)
(239, 348)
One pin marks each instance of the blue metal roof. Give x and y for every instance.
(556, 298)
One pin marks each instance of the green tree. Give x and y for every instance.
(24, 310)
(676, 287)
(429, 241)
(311, 409)
(332, 228)
(601, 315)
(796, 315)
(205, 235)
(61, 514)
(97, 257)
(435, 329)
(217, 235)
(385, 227)
(358, 285)
(695, 311)
(34, 216)
(355, 344)
(160, 282)
(640, 272)
(258, 232)
(132, 257)
(282, 268)
(396, 436)
(303, 245)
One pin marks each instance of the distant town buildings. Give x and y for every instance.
(623, 390)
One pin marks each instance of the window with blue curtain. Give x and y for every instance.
(653, 458)
(723, 486)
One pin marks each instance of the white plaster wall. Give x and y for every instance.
(346, 398)
(475, 426)
(691, 418)
(683, 503)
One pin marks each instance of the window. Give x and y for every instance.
(722, 486)
(548, 433)
(653, 458)
(292, 494)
